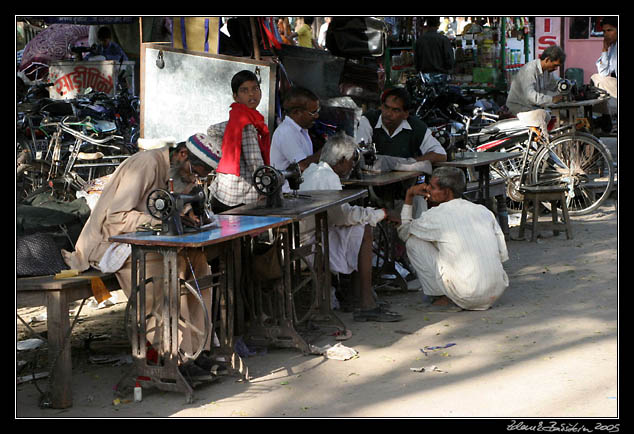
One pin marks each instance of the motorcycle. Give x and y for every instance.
(441, 106)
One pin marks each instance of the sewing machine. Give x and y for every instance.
(368, 152)
(268, 182)
(168, 206)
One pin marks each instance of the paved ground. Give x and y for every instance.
(547, 349)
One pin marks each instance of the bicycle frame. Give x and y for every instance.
(70, 176)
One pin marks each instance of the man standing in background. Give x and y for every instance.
(433, 50)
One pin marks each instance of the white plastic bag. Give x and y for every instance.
(115, 257)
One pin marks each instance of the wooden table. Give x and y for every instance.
(481, 162)
(226, 236)
(370, 179)
(571, 108)
(56, 294)
(281, 329)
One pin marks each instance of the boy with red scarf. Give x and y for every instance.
(245, 146)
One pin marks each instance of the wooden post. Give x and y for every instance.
(58, 329)
(141, 80)
(256, 47)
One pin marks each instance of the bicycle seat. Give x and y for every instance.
(490, 129)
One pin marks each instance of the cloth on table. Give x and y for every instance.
(346, 223)
(387, 163)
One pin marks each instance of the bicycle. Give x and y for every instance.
(559, 156)
(77, 152)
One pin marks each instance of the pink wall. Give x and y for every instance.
(581, 53)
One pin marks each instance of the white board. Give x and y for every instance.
(193, 91)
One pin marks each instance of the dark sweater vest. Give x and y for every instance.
(405, 144)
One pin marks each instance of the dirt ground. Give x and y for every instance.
(547, 349)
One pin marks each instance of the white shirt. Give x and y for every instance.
(365, 132)
(346, 223)
(321, 40)
(471, 249)
(321, 177)
(290, 144)
(608, 62)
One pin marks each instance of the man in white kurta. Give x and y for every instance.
(457, 247)
(349, 226)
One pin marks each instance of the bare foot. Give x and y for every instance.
(443, 301)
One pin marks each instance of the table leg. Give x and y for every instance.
(325, 315)
(276, 327)
(503, 215)
(58, 329)
(483, 184)
(230, 276)
(162, 373)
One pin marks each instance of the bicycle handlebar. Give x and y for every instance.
(65, 127)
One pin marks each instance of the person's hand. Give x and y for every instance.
(557, 98)
(392, 216)
(191, 219)
(416, 190)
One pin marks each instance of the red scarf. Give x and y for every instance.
(239, 117)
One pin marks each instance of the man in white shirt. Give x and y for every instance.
(323, 29)
(349, 227)
(397, 133)
(607, 64)
(607, 69)
(291, 142)
(535, 85)
(457, 247)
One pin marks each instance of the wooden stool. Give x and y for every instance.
(538, 194)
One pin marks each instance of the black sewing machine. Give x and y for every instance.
(168, 206)
(368, 153)
(268, 181)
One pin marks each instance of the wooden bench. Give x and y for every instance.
(56, 294)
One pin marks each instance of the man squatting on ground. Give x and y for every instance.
(457, 247)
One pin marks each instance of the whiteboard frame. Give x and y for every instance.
(149, 52)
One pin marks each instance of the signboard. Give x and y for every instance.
(72, 78)
(547, 33)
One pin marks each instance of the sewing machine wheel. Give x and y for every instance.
(266, 180)
(201, 335)
(160, 204)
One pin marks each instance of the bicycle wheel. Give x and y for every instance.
(580, 162)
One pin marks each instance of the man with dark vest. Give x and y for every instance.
(397, 133)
